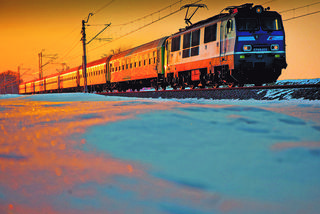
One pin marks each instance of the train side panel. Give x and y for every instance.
(22, 88)
(69, 80)
(30, 87)
(98, 75)
(143, 62)
(52, 83)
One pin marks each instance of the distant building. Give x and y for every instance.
(9, 82)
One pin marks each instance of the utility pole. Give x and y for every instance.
(40, 65)
(41, 56)
(84, 59)
(84, 43)
(19, 75)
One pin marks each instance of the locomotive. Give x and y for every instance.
(244, 45)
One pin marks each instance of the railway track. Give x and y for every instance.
(274, 92)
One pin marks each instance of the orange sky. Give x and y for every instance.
(27, 27)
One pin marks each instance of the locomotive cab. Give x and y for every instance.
(260, 45)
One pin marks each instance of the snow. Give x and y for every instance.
(301, 82)
(86, 153)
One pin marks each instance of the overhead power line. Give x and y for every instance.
(159, 18)
(296, 17)
(148, 24)
(294, 10)
(299, 7)
(104, 6)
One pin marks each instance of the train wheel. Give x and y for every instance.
(216, 85)
(231, 85)
(173, 86)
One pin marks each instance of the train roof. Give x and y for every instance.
(203, 22)
(32, 81)
(151, 45)
(70, 70)
(242, 10)
(98, 62)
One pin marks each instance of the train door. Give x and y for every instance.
(166, 56)
(222, 40)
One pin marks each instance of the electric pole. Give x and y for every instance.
(41, 56)
(84, 59)
(84, 43)
(40, 65)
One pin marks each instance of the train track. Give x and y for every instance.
(279, 92)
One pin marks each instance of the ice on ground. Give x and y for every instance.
(296, 82)
(85, 153)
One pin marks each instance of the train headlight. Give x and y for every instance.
(275, 47)
(259, 9)
(247, 48)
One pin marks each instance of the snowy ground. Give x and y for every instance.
(296, 82)
(85, 153)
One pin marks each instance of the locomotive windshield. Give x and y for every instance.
(247, 24)
(267, 23)
(270, 23)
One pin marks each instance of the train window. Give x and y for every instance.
(247, 24)
(270, 23)
(229, 26)
(195, 38)
(186, 40)
(210, 33)
(191, 40)
(139, 63)
(144, 62)
(186, 53)
(122, 67)
(175, 44)
(195, 51)
(154, 60)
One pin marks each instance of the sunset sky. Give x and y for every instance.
(54, 27)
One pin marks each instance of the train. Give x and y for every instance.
(242, 45)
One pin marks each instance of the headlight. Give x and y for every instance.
(259, 9)
(275, 47)
(247, 48)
